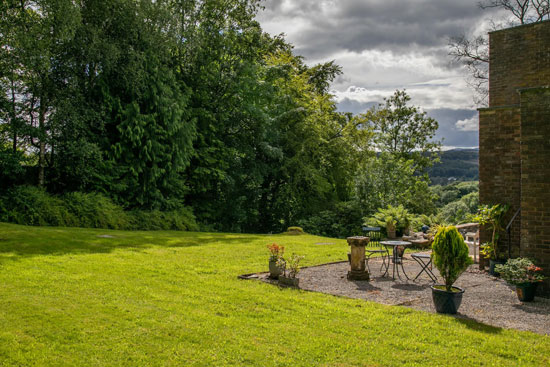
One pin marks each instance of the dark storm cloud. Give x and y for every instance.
(357, 25)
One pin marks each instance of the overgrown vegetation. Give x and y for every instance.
(34, 206)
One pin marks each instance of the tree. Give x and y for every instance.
(405, 132)
(473, 51)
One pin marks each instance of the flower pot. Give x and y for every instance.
(274, 270)
(492, 264)
(526, 291)
(291, 282)
(446, 302)
(391, 232)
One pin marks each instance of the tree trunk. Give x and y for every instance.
(42, 144)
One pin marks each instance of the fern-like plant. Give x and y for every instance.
(450, 255)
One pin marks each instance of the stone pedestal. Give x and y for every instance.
(358, 270)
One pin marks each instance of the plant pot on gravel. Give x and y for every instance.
(288, 278)
(288, 281)
(275, 260)
(445, 301)
(450, 257)
(525, 275)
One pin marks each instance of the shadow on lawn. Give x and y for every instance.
(476, 325)
(20, 241)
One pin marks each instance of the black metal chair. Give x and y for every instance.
(425, 261)
(374, 247)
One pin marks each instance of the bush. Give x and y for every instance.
(34, 206)
(31, 205)
(343, 221)
(394, 214)
(450, 255)
(294, 230)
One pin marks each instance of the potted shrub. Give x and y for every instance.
(396, 219)
(277, 253)
(492, 217)
(291, 268)
(522, 273)
(450, 257)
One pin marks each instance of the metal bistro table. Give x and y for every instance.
(396, 261)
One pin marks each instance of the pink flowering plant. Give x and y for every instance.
(520, 271)
(276, 251)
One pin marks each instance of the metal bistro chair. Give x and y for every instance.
(374, 247)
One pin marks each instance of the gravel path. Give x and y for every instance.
(486, 299)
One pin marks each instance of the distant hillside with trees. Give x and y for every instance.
(455, 165)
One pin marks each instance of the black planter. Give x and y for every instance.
(492, 264)
(447, 302)
(526, 291)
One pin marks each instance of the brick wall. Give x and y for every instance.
(518, 58)
(535, 176)
(500, 165)
(514, 138)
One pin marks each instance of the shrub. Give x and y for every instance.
(520, 271)
(397, 215)
(95, 210)
(450, 255)
(343, 221)
(31, 205)
(34, 206)
(294, 230)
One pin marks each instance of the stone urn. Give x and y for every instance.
(274, 270)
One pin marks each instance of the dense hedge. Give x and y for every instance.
(30, 205)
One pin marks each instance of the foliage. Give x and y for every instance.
(450, 255)
(405, 132)
(277, 252)
(433, 221)
(293, 265)
(386, 180)
(492, 217)
(519, 271)
(398, 216)
(295, 230)
(342, 221)
(455, 164)
(34, 206)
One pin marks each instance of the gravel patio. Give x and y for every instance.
(487, 299)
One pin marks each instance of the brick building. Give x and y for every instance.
(514, 138)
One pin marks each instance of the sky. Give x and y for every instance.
(384, 45)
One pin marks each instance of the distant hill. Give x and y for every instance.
(456, 165)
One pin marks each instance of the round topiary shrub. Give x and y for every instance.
(450, 255)
(294, 230)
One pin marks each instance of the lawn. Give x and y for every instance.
(69, 297)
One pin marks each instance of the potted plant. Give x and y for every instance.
(522, 273)
(277, 253)
(492, 217)
(293, 267)
(450, 257)
(396, 219)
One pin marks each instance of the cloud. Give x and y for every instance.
(471, 124)
(384, 45)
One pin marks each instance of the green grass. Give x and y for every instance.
(71, 298)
